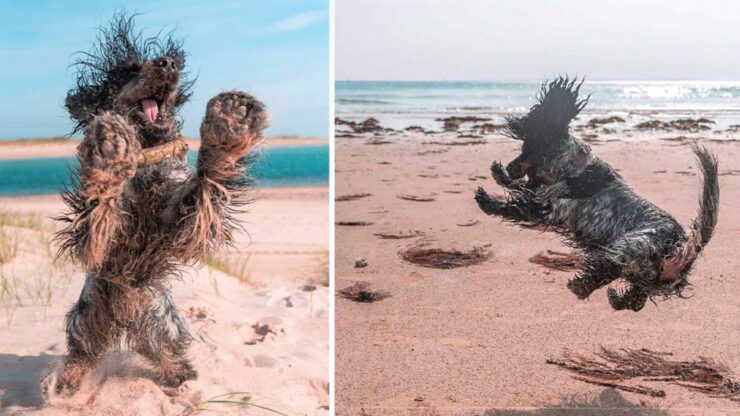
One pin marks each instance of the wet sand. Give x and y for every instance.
(475, 338)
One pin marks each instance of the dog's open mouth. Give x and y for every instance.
(150, 107)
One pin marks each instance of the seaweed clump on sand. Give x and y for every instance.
(416, 198)
(371, 125)
(682, 124)
(557, 260)
(437, 258)
(353, 223)
(352, 197)
(400, 235)
(624, 369)
(360, 292)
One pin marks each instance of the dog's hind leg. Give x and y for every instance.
(90, 333)
(162, 336)
(633, 298)
(597, 271)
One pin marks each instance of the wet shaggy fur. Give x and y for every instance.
(134, 226)
(556, 182)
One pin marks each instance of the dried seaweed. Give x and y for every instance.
(614, 368)
(444, 259)
(557, 260)
(400, 235)
(351, 197)
(460, 143)
(416, 198)
(360, 292)
(468, 223)
(354, 223)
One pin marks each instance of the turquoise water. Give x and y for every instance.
(402, 103)
(275, 167)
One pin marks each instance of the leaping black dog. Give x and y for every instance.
(619, 233)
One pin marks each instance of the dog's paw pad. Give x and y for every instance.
(233, 120)
(109, 151)
(244, 112)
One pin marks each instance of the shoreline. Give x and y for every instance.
(65, 147)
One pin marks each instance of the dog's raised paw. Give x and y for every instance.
(233, 119)
(110, 150)
(499, 174)
(487, 204)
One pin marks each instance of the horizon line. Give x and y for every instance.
(522, 80)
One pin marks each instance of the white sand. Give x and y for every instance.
(287, 372)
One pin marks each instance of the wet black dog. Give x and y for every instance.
(620, 234)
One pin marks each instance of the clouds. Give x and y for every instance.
(532, 39)
(299, 21)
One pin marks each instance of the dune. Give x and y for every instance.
(259, 316)
(474, 340)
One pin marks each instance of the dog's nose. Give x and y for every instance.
(167, 63)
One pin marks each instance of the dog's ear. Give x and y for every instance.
(549, 119)
(558, 103)
(82, 104)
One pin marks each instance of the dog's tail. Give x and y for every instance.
(702, 226)
(709, 203)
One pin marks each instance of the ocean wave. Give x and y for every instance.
(361, 101)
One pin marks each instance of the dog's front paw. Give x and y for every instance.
(233, 123)
(108, 153)
(488, 204)
(500, 175)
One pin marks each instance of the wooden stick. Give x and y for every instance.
(176, 148)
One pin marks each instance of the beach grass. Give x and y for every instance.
(237, 268)
(229, 399)
(8, 246)
(322, 273)
(22, 235)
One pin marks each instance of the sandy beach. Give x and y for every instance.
(259, 315)
(60, 147)
(474, 340)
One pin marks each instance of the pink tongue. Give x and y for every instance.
(150, 109)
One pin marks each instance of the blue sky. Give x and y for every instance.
(529, 40)
(277, 50)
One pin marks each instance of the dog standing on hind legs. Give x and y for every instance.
(620, 234)
(137, 211)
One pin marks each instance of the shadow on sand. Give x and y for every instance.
(607, 403)
(20, 378)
